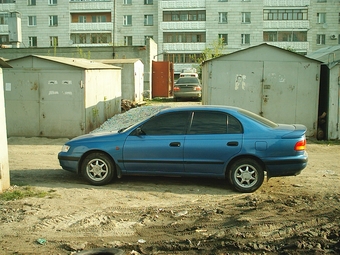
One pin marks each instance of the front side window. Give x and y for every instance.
(222, 17)
(32, 41)
(245, 17)
(148, 20)
(205, 123)
(167, 124)
(127, 20)
(53, 41)
(53, 21)
(321, 39)
(32, 20)
(321, 18)
(245, 39)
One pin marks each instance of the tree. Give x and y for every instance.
(215, 50)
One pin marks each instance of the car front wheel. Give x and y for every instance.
(98, 168)
(246, 175)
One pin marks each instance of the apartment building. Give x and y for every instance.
(182, 29)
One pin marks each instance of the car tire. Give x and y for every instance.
(98, 169)
(246, 175)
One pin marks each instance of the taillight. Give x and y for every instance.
(176, 89)
(300, 145)
(197, 88)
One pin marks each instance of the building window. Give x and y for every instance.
(148, 20)
(339, 18)
(53, 21)
(285, 14)
(187, 15)
(127, 40)
(98, 18)
(320, 39)
(222, 17)
(53, 41)
(99, 38)
(222, 0)
(182, 57)
(148, 1)
(127, 20)
(146, 38)
(31, 2)
(32, 41)
(223, 38)
(321, 18)
(285, 36)
(245, 39)
(4, 39)
(81, 19)
(245, 17)
(4, 19)
(52, 2)
(32, 20)
(183, 37)
(127, 1)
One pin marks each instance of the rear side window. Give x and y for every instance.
(214, 123)
(167, 124)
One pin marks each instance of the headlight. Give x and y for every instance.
(65, 148)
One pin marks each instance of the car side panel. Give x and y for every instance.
(153, 154)
(205, 154)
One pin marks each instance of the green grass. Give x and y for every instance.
(17, 192)
(324, 142)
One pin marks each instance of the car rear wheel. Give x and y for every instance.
(246, 175)
(98, 168)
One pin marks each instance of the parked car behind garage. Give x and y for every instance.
(188, 88)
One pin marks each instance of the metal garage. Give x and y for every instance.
(278, 84)
(59, 97)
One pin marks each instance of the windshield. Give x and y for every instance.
(186, 80)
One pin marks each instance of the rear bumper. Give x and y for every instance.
(287, 166)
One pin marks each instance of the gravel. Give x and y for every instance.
(129, 118)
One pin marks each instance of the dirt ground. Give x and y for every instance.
(157, 215)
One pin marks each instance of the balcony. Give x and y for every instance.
(4, 29)
(7, 7)
(187, 25)
(185, 47)
(286, 24)
(182, 4)
(284, 3)
(298, 46)
(90, 6)
(107, 26)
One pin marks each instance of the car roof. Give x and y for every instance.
(203, 107)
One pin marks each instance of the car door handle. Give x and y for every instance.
(232, 143)
(175, 144)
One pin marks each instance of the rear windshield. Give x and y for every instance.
(258, 118)
(187, 80)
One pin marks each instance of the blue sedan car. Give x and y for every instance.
(201, 141)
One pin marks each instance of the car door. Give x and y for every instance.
(213, 138)
(157, 147)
